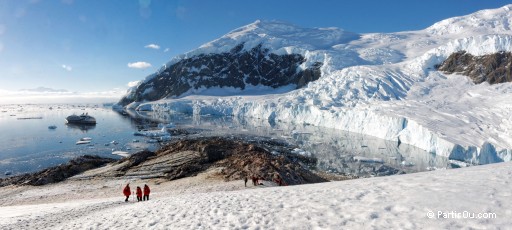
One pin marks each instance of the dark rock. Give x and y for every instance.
(384, 170)
(239, 159)
(236, 158)
(57, 173)
(237, 68)
(493, 68)
(180, 132)
(135, 159)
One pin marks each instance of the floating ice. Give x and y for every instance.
(154, 133)
(121, 153)
(301, 152)
(368, 159)
(82, 142)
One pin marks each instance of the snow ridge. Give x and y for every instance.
(495, 20)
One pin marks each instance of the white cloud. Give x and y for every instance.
(133, 83)
(152, 46)
(139, 65)
(166, 50)
(67, 68)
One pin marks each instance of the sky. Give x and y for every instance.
(99, 47)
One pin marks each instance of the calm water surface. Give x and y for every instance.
(27, 144)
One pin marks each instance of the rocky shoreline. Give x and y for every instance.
(57, 173)
(232, 158)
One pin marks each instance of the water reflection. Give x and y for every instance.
(337, 152)
(82, 127)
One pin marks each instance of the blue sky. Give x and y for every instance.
(87, 45)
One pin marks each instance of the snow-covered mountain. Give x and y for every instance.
(261, 54)
(381, 84)
(44, 90)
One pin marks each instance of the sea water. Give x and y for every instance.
(28, 143)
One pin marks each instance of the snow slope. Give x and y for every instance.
(439, 199)
(380, 84)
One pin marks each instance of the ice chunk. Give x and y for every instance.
(121, 153)
(81, 142)
(368, 159)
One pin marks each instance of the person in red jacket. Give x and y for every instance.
(146, 192)
(139, 194)
(127, 192)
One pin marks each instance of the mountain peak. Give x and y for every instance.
(278, 34)
(270, 27)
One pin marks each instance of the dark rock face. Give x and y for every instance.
(493, 68)
(238, 68)
(57, 173)
(235, 158)
(238, 159)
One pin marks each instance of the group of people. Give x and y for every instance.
(258, 180)
(127, 192)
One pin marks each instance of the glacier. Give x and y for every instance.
(379, 84)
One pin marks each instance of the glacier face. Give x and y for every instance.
(383, 85)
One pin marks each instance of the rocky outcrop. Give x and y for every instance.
(493, 68)
(232, 158)
(135, 159)
(236, 159)
(57, 173)
(238, 68)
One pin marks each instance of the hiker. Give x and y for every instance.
(254, 180)
(245, 180)
(146, 192)
(127, 192)
(139, 194)
(260, 180)
(278, 180)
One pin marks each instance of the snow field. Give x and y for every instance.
(395, 202)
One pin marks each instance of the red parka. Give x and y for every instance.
(146, 190)
(139, 191)
(127, 190)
